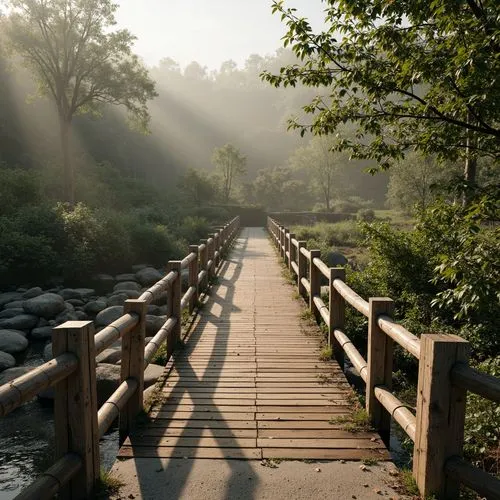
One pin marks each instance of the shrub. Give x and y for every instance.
(366, 215)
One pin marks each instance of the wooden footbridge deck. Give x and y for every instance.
(246, 382)
(249, 382)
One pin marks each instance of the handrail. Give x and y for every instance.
(76, 347)
(444, 375)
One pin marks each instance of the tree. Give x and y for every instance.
(197, 187)
(409, 74)
(414, 182)
(230, 163)
(79, 62)
(324, 165)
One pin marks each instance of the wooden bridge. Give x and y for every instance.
(247, 381)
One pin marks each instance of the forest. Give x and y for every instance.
(130, 164)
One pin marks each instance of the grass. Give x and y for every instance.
(357, 421)
(326, 353)
(370, 461)
(107, 485)
(307, 315)
(160, 357)
(408, 482)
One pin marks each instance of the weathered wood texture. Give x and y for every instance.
(249, 383)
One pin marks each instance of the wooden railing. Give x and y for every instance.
(79, 424)
(444, 377)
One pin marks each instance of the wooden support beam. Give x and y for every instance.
(203, 264)
(193, 277)
(315, 281)
(174, 306)
(75, 407)
(440, 414)
(336, 307)
(380, 354)
(302, 261)
(132, 365)
(292, 250)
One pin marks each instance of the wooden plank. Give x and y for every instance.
(178, 452)
(323, 454)
(303, 409)
(196, 415)
(301, 416)
(194, 432)
(314, 433)
(200, 424)
(201, 442)
(310, 443)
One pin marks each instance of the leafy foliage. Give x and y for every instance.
(407, 74)
(230, 163)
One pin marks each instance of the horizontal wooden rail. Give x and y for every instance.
(322, 267)
(351, 297)
(115, 331)
(461, 471)
(79, 423)
(398, 410)
(443, 380)
(352, 353)
(27, 386)
(53, 479)
(479, 383)
(111, 408)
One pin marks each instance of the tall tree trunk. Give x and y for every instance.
(69, 174)
(470, 167)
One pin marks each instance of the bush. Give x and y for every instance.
(366, 215)
(18, 188)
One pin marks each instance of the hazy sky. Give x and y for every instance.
(208, 31)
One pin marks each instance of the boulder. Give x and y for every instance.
(12, 373)
(125, 277)
(118, 299)
(42, 322)
(75, 302)
(69, 306)
(47, 352)
(32, 292)
(85, 293)
(334, 259)
(10, 313)
(6, 361)
(103, 282)
(15, 304)
(81, 316)
(42, 333)
(7, 297)
(69, 293)
(95, 307)
(139, 267)
(12, 341)
(110, 355)
(148, 276)
(153, 324)
(108, 315)
(48, 305)
(108, 379)
(66, 316)
(154, 310)
(20, 322)
(127, 285)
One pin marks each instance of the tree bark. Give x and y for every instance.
(69, 174)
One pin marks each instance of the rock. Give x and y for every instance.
(127, 285)
(81, 316)
(108, 315)
(117, 299)
(12, 373)
(42, 333)
(42, 322)
(334, 259)
(15, 304)
(75, 302)
(66, 316)
(85, 293)
(47, 352)
(163, 310)
(20, 322)
(125, 277)
(110, 355)
(21, 289)
(69, 306)
(69, 293)
(32, 292)
(103, 282)
(154, 323)
(108, 379)
(48, 305)
(12, 341)
(7, 297)
(95, 307)
(139, 267)
(148, 276)
(154, 310)
(6, 361)
(10, 313)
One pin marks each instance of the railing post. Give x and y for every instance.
(193, 277)
(75, 407)
(315, 281)
(336, 307)
(380, 354)
(216, 250)
(282, 242)
(440, 414)
(287, 247)
(302, 263)
(203, 264)
(291, 249)
(211, 253)
(174, 305)
(132, 364)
